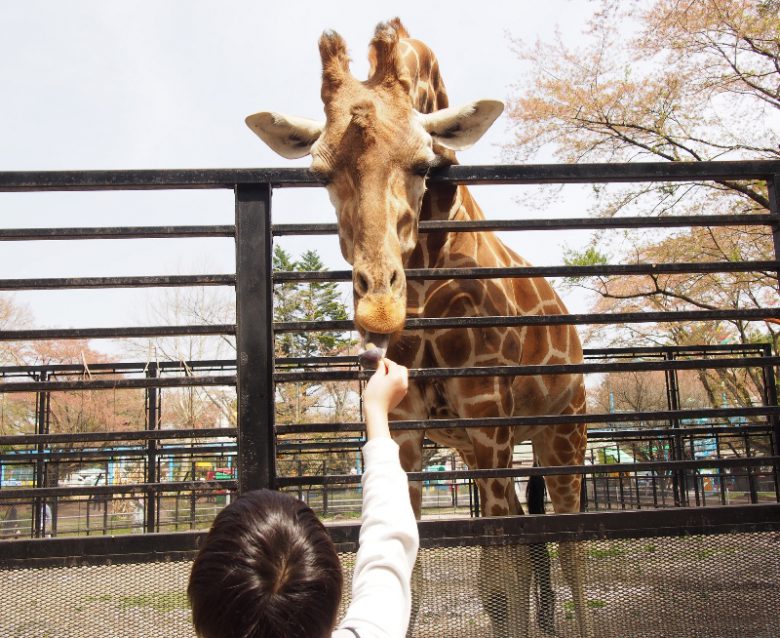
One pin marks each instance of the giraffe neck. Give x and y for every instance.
(426, 86)
(441, 201)
(444, 202)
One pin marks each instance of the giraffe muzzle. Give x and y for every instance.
(373, 350)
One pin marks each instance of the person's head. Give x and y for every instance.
(267, 569)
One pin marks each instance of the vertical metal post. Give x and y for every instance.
(695, 475)
(106, 500)
(749, 470)
(152, 423)
(721, 473)
(770, 379)
(770, 399)
(41, 427)
(193, 495)
(773, 192)
(677, 448)
(254, 338)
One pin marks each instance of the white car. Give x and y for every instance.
(85, 478)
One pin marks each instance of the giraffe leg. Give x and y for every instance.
(564, 493)
(504, 571)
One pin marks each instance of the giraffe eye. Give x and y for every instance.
(421, 170)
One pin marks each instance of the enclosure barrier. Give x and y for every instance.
(652, 571)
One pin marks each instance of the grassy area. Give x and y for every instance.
(168, 601)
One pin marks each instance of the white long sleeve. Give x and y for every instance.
(381, 591)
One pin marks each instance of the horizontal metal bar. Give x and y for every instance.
(539, 370)
(115, 333)
(124, 366)
(118, 384)
(744, 349)
(432, 274)
(497, 174)
(124, 488)
(145, 548)
(589, 173)
(685, 431)
(432, 424)
(105, 437)
(744, 314)
(327, 446)
(521, 472)
(573, 223)
(70, 551)
(419, 373)
(117, 282)
(546, 420)
(748, 314)
(644, 523)
(163, 453)
(758, 349)
(19, 181)
(224, 231)
(120, 232)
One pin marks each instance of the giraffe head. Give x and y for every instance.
(373, 152)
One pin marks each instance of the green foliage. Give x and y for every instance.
(591, 256)
(307, 301)
(301, 401)
(610, 552)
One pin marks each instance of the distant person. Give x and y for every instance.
(10, 524)
(268, 568)
(137, 514)
(47, 521)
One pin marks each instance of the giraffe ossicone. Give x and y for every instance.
(373, 152)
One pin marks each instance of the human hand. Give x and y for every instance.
(384, 391)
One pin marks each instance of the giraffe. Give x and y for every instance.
(380, 139)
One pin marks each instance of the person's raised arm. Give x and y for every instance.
(381, 583)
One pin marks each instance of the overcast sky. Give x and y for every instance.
(91, 84)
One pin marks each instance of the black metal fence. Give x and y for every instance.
(717, 455)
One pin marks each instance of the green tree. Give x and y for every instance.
(308, 301)
(299, 402)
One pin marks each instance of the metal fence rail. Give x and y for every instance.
(254, 442)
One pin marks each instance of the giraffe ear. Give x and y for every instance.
(292, 137)
(459, 128)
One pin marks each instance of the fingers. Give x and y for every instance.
(395, 371)
(401, 374)
(387, 386)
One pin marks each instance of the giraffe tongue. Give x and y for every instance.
(373, 350)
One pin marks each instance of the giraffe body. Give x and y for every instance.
(373, 152)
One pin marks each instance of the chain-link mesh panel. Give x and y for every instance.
(113, 601)
(699, 586)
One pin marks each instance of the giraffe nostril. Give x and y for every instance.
(397, 281)
(361, 284)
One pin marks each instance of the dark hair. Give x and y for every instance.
(267, 569)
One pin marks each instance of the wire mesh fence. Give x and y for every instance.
(652, 587)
